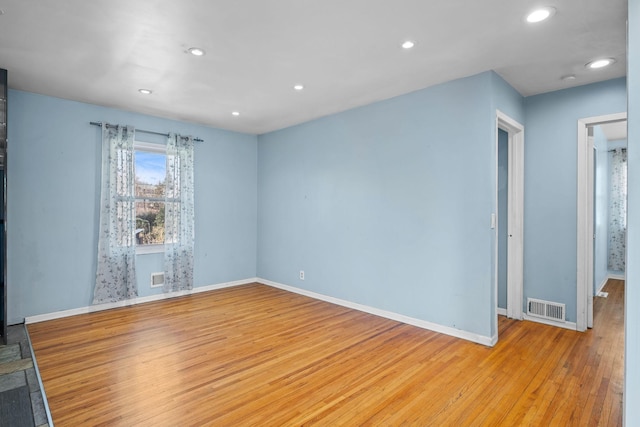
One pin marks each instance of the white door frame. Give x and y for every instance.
(584, 273)
(515, 215)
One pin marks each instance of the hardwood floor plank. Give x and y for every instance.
(255, 355)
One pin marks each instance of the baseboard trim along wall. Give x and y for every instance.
(134, 301)
(501, 311)
(458, 333)
(616, 276)
(566, 325)
(601, 285)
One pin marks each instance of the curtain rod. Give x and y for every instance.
(621, 148)
(141, 130)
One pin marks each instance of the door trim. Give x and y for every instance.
(584, 219)
(515, 215)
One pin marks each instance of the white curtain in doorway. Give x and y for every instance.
(617, 210)
(179, 215)
(116, 271)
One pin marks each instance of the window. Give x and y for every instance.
(150, 187)
(146, 200)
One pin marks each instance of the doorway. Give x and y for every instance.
(587, 236)
(508, 223)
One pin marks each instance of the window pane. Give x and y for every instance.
(151, 172)
(149, 222)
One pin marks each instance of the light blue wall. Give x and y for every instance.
(550, 185)
(503, 177)
(632, 298)
(601, 216)
(506, 99)
(53, 191)
(388, 205)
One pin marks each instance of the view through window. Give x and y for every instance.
(151, 174)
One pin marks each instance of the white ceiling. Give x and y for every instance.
(615, 131)
(346, 52)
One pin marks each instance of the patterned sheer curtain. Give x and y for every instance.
(116, 272)
(618, 210)
(179, 215)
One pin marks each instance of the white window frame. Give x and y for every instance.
(149, 147)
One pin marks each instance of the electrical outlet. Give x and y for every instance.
(301, 274)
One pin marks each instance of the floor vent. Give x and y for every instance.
(157, 280)
(545, 309)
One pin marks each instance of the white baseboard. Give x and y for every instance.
(494, 339)
(501, 311)
(566, 325)
(134, 301)
(601, 285)
(616, 276)
(458, 333)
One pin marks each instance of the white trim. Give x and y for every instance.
(590, 226)
(515, 213)
(601, 285)
(501, 311)
(617, 276)
(458, 333)
(565, 325)
(494, 339)
(134, 301)
(155, 248)
(495, 225)
(150, 147)
(584, 209)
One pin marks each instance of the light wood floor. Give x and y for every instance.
(254, 355)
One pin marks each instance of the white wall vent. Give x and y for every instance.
(157, 279)
(545, 309)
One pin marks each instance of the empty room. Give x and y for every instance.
(320, 213)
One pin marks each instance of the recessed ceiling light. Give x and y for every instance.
(408, 44)
(145, 91)
(235, 113)
(600, 63)
(298, 87)
(196, 51)
(1, 12)
(541, 14)
(568, 77)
